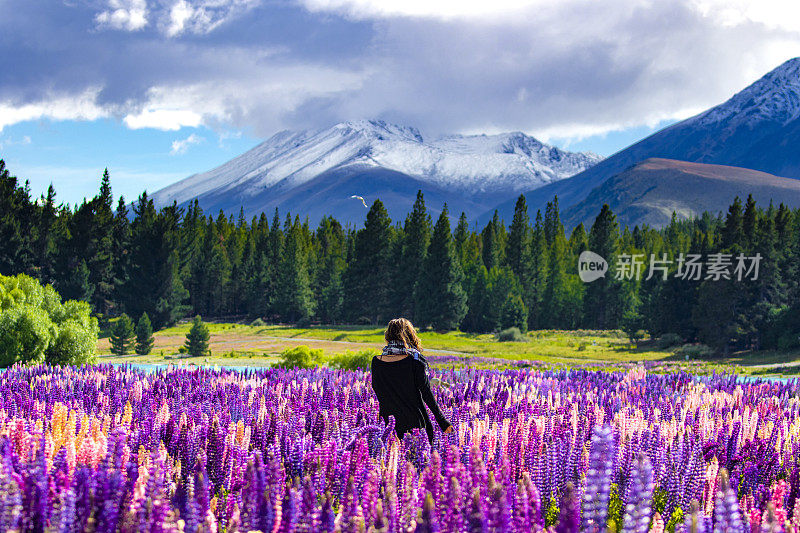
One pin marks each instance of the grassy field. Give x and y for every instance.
(238, 344)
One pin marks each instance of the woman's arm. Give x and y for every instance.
(424, 386)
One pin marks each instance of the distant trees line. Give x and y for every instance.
(175, 262)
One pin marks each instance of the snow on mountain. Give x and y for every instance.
(774, 97)
(469, 164)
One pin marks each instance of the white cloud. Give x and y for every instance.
(57, 107)
(180, 146)
(163, 119)
(444, 9)
(201, 16)
(128, 15)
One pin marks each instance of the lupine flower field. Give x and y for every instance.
(111, 449)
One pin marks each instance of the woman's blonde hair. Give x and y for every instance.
(402, 330)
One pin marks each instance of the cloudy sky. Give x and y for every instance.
(159, 89)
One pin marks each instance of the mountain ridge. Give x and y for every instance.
(757, 128)
(649, 192)
(474, 168)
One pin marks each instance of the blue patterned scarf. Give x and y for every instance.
(397, 348)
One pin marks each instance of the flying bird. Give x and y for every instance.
(362, 200)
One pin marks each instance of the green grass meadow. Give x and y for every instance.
(244, 345)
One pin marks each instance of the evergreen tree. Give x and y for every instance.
(514, 313)
(368, 278)
(144, 335)
(294, 295)
(329, 285)
(461, 237)
(46, 234)
(154, 285)
(441, 301)
(196, 343)
(120, 250)
(122, 335)
(478, 317)
(732, 230)
(538, 267)
(518, 247)
(415, 241)
(492, 243)
(601, 307)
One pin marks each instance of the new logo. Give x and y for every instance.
(591, 266)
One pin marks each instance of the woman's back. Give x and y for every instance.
(401, 386)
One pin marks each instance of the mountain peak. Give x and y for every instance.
(774, 97)
(380, 130)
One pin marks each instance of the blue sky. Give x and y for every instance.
(158, 89)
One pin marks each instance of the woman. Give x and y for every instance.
(400, 382)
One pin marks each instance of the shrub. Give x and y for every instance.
(144, 335)
(364, 321)
(303, 322)
(36, 326)
(197, 339)
(668, 340)
(299, 357)
(122, 335)
(348, 360)
(511, 335)
(258, 322)
(696, 351)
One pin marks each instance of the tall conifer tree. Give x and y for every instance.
(440, 299)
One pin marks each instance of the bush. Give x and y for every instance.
(258, 322)
(511, 335)
(197, 339)
(348, 360)
(696, 351)
(364, 321)
(303, 322)
(668, 340)
(299, 357)
(36, 326)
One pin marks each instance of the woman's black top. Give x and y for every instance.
(401, 387)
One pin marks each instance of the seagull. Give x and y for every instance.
(362, 200)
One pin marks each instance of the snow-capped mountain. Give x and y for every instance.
(758, 128)
(774, 97)
(285, 170)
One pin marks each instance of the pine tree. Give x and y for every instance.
(440, 300)
(492, 243)
(460, 238)
(413, 248)
(368, 278)
(196, 344)
(154, 285)
(601, 307)
(144, 335)
(514, 314)
(122, 335)
(518, 247)
(732, 230)
(294, 296)
(329, 284)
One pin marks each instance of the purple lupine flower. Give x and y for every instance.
(598, 481)
(569, 517)
(640, 495)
